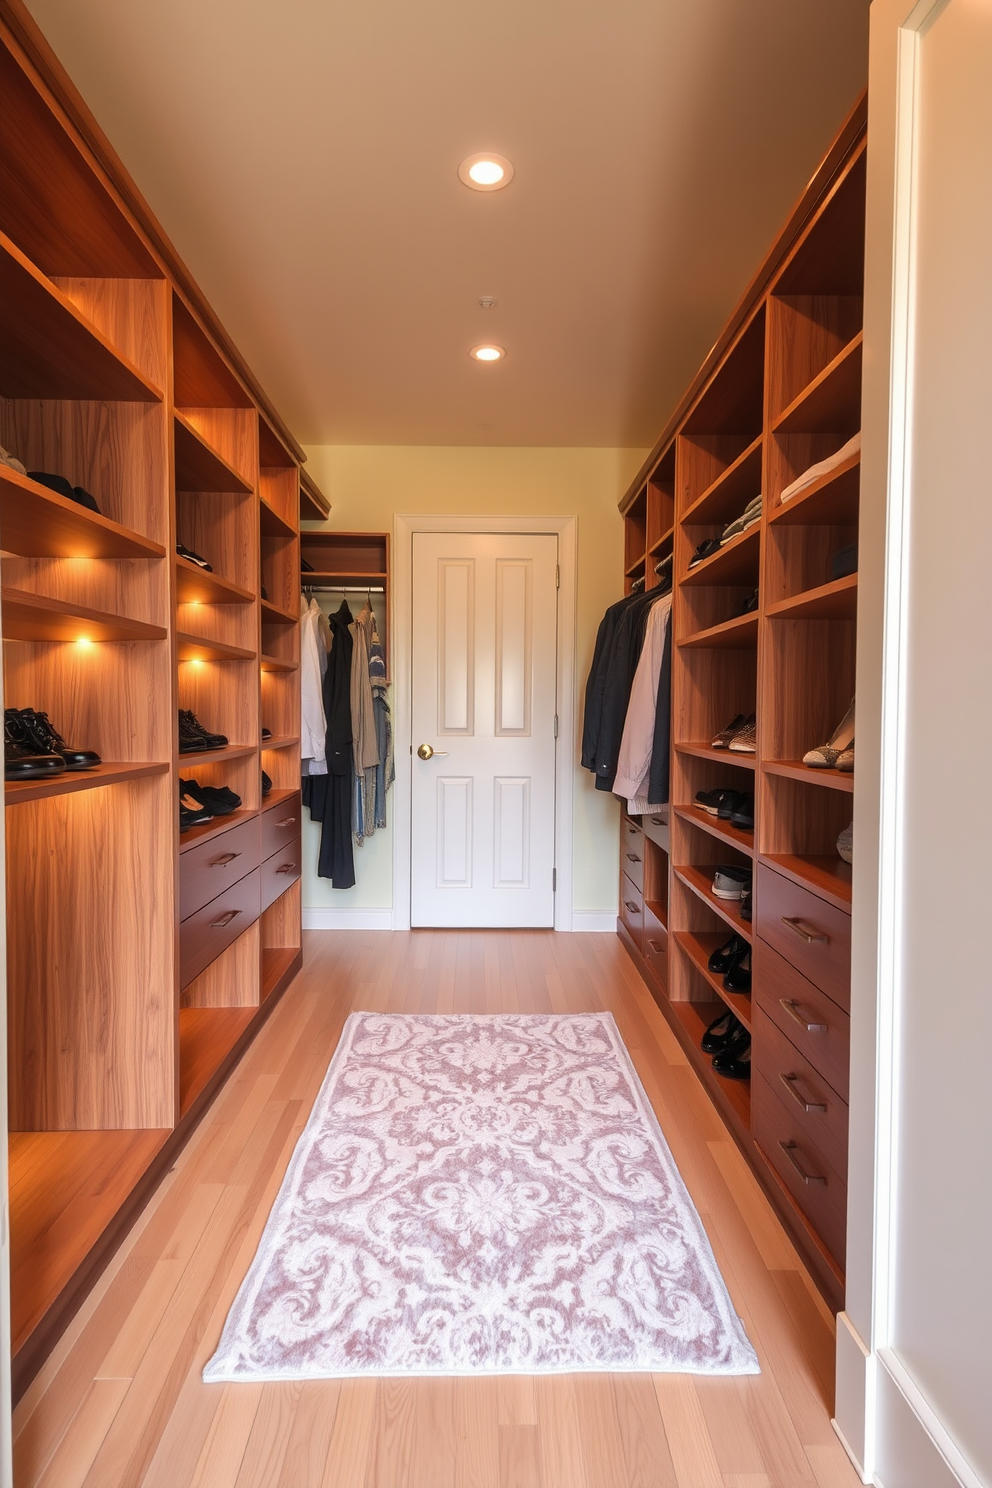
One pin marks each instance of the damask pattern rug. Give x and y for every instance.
(484, 1195)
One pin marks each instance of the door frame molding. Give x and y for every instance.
(566, 531)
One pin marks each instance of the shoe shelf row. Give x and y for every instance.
(124, 1015)
(764, 628)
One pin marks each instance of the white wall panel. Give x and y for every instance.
(511, 857)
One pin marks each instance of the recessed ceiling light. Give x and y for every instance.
(487, 353)
(486, 171)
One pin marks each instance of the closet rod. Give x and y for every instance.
(343, 589)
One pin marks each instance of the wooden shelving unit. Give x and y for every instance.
(350, 561)
(780, 393)
(115, 375)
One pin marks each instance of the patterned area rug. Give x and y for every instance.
(484, 1195)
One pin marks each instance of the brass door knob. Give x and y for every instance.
(426, 751)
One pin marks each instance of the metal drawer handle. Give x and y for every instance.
(789, 1081)
(805, 930)
(286, 868)
(633, 858)
(656, 821)
(797, 1017)
(656, 947)
(224, 859)
(789, 1148)
(232, 914)
(632, 908)
(287, 821)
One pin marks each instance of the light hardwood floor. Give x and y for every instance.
(121, 1402)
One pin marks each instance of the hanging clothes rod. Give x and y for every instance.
(343, 589)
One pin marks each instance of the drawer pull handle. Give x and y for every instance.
(656, 946)
(286, 868)
(789, 1148)
(805, 930)
(633, 858)
(789, 1081)
(224, 859)
(632, 908)
(287, 821)
(232, 914)
(656, 821)
(800, 1018)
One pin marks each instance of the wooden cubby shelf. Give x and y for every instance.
(733, 1095)
(721, 830)
(272, 524)
(195, 648)
(700, 881)
(837, 600)
(661, 543)
(828, 877)
(206, 1039)
(719, 756)
(284, 741)
(276, 962)
(737, 634)
(737, 563)
(698, 945)
(278, 797)
(39, 523)
(33, 617)
(273, 615)
(199, 467)
(727, 496)
(213, 828)
(70, 782)
(49, 350)
(276, 664)
(831, 403)
(838, 780)
(211, 756)
(356, 579)
(834, 498)
(195, 586)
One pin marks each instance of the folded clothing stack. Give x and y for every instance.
(199, 803)
(822, 467)
(747, 518)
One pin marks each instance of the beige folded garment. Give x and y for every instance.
(824, 467)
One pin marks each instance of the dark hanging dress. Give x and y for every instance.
(330, 796)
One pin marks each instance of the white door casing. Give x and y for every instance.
(484, 701)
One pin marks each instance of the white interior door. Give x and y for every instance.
(484, 691)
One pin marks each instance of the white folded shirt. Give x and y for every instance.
(824, 467)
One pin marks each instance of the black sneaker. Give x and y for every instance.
(219, 800)
(718, 802)
(193, 736)
(266, 784)
(62, 487)
(192, 557)
(45, 737)
(742, 814)
(745, 905)
(193, 810)
(705, 550)
(21, 759)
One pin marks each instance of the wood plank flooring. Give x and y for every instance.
(121, 1402)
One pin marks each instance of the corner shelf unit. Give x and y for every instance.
(780, 392)
(125, 1016)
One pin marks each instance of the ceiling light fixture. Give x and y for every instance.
(485, 171)
(487, 353)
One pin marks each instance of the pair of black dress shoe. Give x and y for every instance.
(729, 1044)
(59, 484)
(34, 748)
(732, 961)
(200, 803)
(193, 737)
(734, 806)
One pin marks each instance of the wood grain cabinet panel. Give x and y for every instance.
(804, 1092)
(655, 945)
(632, 854)
(281, 824)
(819, 1191)
(206, 871)
(632, 908)
(217, 925)
(281, 870)
(811, 934)
(811, 1021)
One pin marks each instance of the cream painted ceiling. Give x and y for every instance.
(302, 155)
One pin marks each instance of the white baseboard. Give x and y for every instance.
(913, 1444)
(599, 922)
(853, 1403)
(326, 918)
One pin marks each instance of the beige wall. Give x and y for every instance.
(368, 485)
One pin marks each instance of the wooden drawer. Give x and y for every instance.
(281, 870)
(280, 824)
(657, 829)
(632, 853)
(812, 1022)
(212, 929)
(820, 1192)
(207, 870)
(807, 931)
(812, 1103)
(632, 909)
(655, 945)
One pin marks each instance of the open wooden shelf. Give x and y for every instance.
(698, 945)
(71, 781)
(283, 741)
(65, 1189)
(199, 467)
(272, 524)
(195, 586)
(719, 756)
(701, 883)
(721, 830)
(635, 569)
(276, 664)
(695, 1018)
(730, 493)
(273, 615)
(276, 962)
(38, 523)
(33, 617)
(831, 403)
(837, 600)
(49, 350)
(736, 563)
(314, 505)
(338, 577)
(211, 756)
(213, 828)
(833, 500)
(278, 796)
(664, 541)
(195, 648)
(827, 875)
(206, 1038)
(839, 780)
(738, 634)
